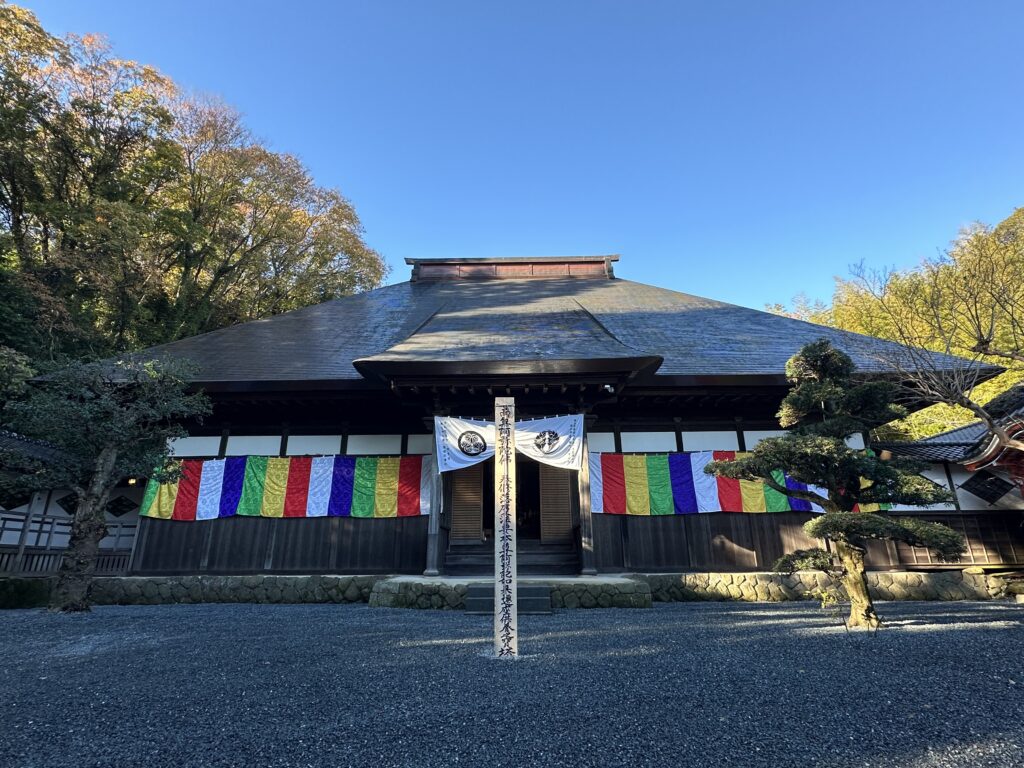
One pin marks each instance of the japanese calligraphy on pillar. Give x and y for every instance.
(506, 629)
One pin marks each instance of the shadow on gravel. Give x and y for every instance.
(699, 685)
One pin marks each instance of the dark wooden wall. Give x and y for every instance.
(749, 542)
(237, 545)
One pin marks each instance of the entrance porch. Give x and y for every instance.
(547, 520)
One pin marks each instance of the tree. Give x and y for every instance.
(967, 304)
(825, 406)
(107, 421)
(802, 309)
(132, 215)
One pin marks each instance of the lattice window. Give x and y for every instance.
(987, 486)
(68, 503)
(121, 506)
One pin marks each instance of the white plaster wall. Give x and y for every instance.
(374, 445)
(601, 442)
(254, 445)
(40, 530)
(420, 444)
(725, 440)
(968, 501)
(937, 474)
(313, 445)
(648, 442)
(754, 436)
(856, 442)
(195, 446)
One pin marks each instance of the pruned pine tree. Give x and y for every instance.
(825, 406)
(106, 422)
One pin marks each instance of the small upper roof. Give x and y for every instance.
(491, 311)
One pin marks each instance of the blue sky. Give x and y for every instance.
(745, 151)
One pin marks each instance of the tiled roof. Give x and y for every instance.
(963, 442)
(14, 446)
(517, 319)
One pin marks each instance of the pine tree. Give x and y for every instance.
(826, 405)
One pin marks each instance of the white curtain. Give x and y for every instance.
(462, 442)
(556, 440)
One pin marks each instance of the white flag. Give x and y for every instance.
(462, 442)
(556, 440)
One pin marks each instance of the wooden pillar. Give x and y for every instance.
(506, 624)
(19, 559)
(434, 522)
(587, 566)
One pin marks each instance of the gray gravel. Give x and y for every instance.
(681, 685)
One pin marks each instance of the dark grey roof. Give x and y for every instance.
(503, 321)
(513, 319)
(14, 446)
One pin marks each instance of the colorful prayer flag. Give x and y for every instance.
(675, 483)
(296, 486)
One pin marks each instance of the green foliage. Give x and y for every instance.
(815, 559)
(108, 421)
(856, 528)
(131, 215)
(15, 371)
(826, 400)
(825, 406)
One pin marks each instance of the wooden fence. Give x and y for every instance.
(34, 546)
(750, 542)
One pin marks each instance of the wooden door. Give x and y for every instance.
(555, 504)
(467, 505)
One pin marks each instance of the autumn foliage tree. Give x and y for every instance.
(132, 214)
(966, 302)
(827, 405)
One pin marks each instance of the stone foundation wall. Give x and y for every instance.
(775, 587)
(633, 591)
(402, 593)
(620, 593)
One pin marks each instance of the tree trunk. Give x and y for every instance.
(79, 562)
(862, 609)
(87, 530)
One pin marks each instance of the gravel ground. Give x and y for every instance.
(712, 684)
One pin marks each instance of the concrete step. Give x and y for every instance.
(569, 568)
(532, 599)
(547, 560)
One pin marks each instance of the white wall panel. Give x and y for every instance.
(313, 445)
(711, 441)
(648, 442)
(754, 436)
(971, 503)
(374, 445)
(420, 444)
(937, 474)
(254, 445)
(601, 442)
(195, 446)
